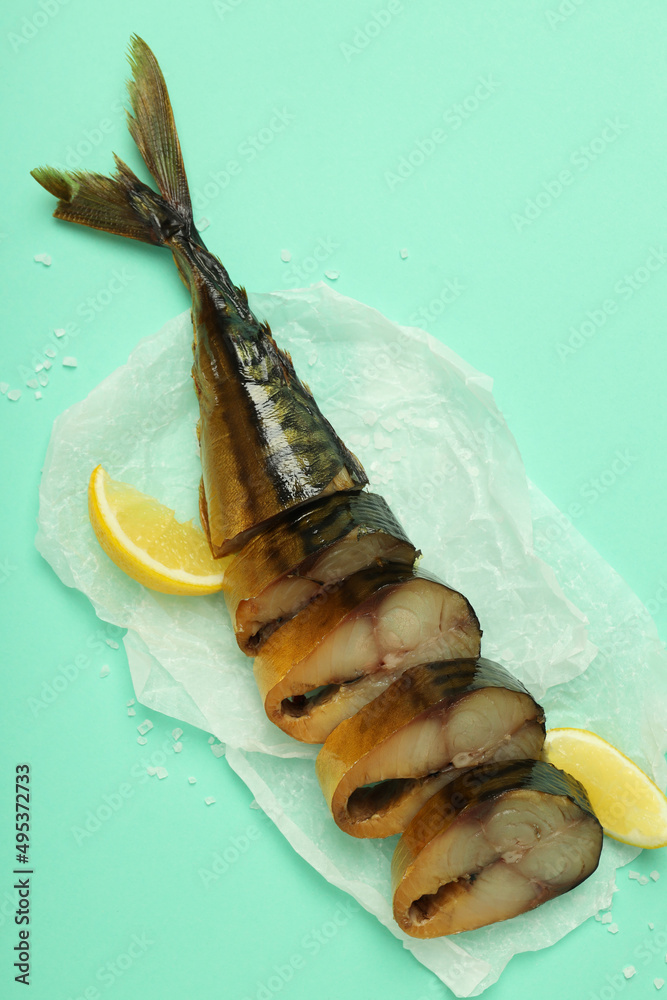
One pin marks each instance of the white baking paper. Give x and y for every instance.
(426, 428)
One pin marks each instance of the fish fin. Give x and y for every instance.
(153, 129)
(120, 204)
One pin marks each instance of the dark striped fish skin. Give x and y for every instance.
(354, 642)
(499, 840)
(266, 447)
(379, 767)
(282, 568)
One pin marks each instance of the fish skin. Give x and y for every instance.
(281, 661)
(465, 803)
(300, 636)
(441, 687)
(295, 545)
(266, 447)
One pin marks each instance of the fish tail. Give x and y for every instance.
(153, 128)
(122, 203)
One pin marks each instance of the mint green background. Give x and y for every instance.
(321, 179)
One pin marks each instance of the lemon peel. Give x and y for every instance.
(629, 805)
(144, 539)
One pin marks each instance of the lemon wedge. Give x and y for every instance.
(629, 806)
(145, 540)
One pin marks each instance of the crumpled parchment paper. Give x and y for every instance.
(426, 428)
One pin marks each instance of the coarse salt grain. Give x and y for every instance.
(178, 747)
(403, 253)
(50, 352)
(650, 926)
(218, 749)
(286, 256)
(634, 875)
(655, 876)
(176, 733)
(332, 275)
(629, 971)
(658, 983)
(43, 258)
(209, 801)
(112, 643)
(142, 741)
(14, 394)
(255, 804)
(38, 395)
(59, 332)
(130, 702)
(104, 672)
(642, 880)
(613, 928)
(162, 772)
(32, 383)
(145, 727)
(131, 711)
(151, 771)
(203, 224)
(4, 386)
(47, 364)
(43, 379)
(211, 739)
(69, 362)
(192, 781)
(606, 919)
